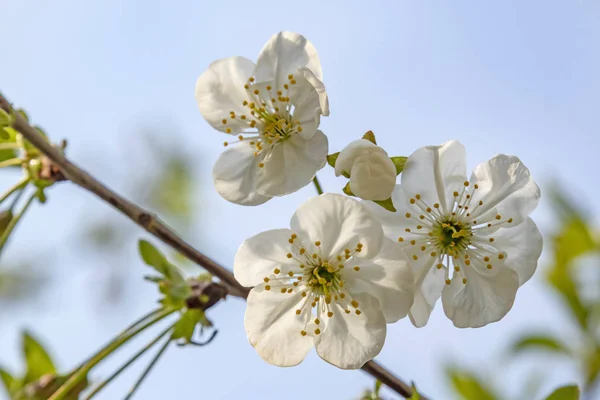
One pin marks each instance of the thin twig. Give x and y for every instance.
(137, 385)
(160, 230)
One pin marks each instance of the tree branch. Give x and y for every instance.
(152, 224)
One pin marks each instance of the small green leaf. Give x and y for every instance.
(332, 158)
(539, 342)
(5, 118)
(185, 327)
(10, 383)
(387, 204)
(565, 393)
(468, 386)
(399, 163)
(152, 256)
(347, 190)
(370, 136)
(38, 361)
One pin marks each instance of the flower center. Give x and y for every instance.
(451, 237)
(457, 238)
(318, 280)
(269, 117)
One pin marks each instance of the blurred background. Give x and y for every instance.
(117, 78)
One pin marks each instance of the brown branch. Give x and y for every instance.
(161, 231)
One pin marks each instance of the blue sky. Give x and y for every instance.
(504, 77)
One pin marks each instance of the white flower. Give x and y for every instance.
(469, 241)
(274, 109)
(372, 173)
(332, 281)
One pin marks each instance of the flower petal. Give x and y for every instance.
(486, 297)
(291, 165)
(429, 283)
(338, 222)
(505, 188)
(220, 90)
(234, 175)
(307, 108)
(435, 172)
(523, 246)
(283, 54)
(394, 223)
(259, 255)
(373, 176)
(388, 277)
(350, 340)
(319, 88)
(350, 153)
(273, 327)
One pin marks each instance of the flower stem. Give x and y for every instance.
(13, 222)
(11, 162)
(317, 185)
(128, 363)
(82, 372)
(13, 189)
(147, 370)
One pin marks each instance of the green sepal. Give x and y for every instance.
(399, 163)
(5, 118)
(570, 392)
(370, 136)
(332, 158)
(388, 204)
(347, 190)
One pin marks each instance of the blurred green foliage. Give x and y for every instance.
(40, 379)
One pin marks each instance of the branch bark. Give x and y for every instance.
(153, 225)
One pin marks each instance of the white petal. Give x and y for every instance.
(394, 223)
(220, 90)
(307, 107)
(283, 55)
(273, 327)
(373, 176)
(291, 165)
(523, 246)
(429, 283)
(319, 88)
(350, 340)
(506, 188)
(486, 297)
(259, 255)
(350, 153)
(388, 277)
(435, 172)
(234, 175)
(338, 222)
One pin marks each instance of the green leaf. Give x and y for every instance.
(38, 361)
(574, 240)
(539, 342)
(387, 204)
(332, 158)
(565, 393)
(154, 258)
(185, 327)
(370, 136)
(468, 386)
(399, 163)
(10, 383)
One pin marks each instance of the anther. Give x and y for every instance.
(455, 194)
(266, 279)
(358, 312)
(276, 271)
(439, 266)
(401, 239)
(289, 255)
(225, 144)
(357, 268)
(466, 183)
(283, 290)
(491, 240)
(317, 243)
(330, 314)
(303, 333)
(228, 130)
(464, 281)
(290, 274)
(418, 196)
(267, 287)
(407, 215)
(500, 256)
(489, 266)
(413, 242)
(456, 268)
(317, 331)
(436, 205)
(354, 303)
(298, 312)
(448, 281)
(415, 257)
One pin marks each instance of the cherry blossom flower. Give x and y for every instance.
(333, 281)
(372, 173)
(469, 241)
(272, 109)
